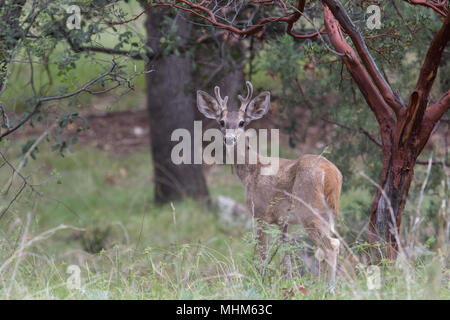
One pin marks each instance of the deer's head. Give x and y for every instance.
(233, 123)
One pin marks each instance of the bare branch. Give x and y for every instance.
(360, 129)
(437, 6)
(430, 66)
(439, 108)
(207, 10)
(25, 184)
(436, 162)
(26, 155)
(79, 49)
(418, 102)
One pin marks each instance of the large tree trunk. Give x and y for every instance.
(170, 104)
(389, 202)
(399, 158)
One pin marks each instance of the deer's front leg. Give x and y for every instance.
(263, 241)
(287, 255)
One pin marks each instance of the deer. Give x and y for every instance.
(303, 191)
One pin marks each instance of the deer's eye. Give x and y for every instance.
(241, 124)
(222, 123)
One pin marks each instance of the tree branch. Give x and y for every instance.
(207, 10)
(79, 49)
(419, 98)
(84, 88)
(104, 50)
(439, 108)
(430, 66)
(298, 12)
(439, 7)
(25, 184)
(388, 95)
(361, 130)
(441, 163)
(372, 96)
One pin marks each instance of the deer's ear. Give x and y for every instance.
(208, 105)
(259, 106)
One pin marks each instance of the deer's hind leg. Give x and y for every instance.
(317, 219)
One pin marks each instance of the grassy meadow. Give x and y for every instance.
(94, 210)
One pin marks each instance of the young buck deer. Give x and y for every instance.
(303, 191)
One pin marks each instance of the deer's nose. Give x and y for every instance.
(229, 140)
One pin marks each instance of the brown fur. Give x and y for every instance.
(305, 191)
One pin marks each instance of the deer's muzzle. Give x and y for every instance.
(229, 139)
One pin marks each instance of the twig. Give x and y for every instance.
(44, 235)
(25, 183)
(360, 129)
(27, 154)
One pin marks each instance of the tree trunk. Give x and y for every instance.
(399, 159)
(389, 202)
(170, 106)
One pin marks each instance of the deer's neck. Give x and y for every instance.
(250, 167)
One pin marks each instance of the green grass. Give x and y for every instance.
(178, 251)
